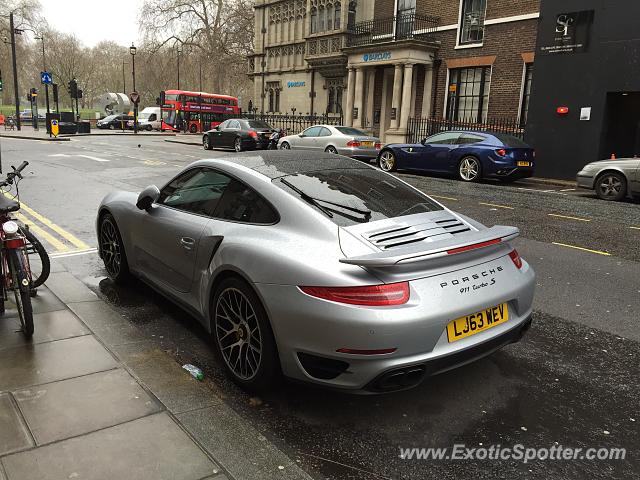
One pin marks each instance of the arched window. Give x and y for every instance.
(314, 20)
(329, 11)
(352, 14)
(277, 102)
(330, 101)
(321, 19)
(271, 99)
(336, 16)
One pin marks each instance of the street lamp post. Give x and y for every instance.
(15, 70)
(179, 52)
(133, 50)
(46, 85)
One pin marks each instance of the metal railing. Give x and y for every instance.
(401, 27)
(419, 128)
(290, 123)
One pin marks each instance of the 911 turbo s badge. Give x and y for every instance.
(483, 275)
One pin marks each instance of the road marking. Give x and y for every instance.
(74, 253)
(635, 228)
(154, 162)
(568, 190)
(496, 205)
(568, 217)
(59, 230)
(97, 159)
(582, 248)
(444, 198)
(43, 234)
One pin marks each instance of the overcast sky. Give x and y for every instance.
(95, 20)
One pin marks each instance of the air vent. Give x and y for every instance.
(400, 234)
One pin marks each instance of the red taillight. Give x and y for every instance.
(473, 246)
(253, 134)
(378, 146)
(353, 143)
(371, 296)
(516, 259)
(501, 152)
(353, 351)
(13, 243)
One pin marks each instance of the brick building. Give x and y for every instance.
(380, 62)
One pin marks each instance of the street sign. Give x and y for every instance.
(46, 78)
(54, 127)
(134, 97)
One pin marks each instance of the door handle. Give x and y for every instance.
(187, 243)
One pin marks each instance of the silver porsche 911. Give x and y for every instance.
(321, 268)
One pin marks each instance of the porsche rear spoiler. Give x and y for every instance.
(426, 251)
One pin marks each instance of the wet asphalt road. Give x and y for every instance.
(573, 379)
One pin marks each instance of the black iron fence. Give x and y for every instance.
(401, 27)
(291, 123)
(420, 128)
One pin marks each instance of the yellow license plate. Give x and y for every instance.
(477, 322)
(524, 164)
(367, 144)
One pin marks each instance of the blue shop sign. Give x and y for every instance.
(295, 84)
(377, 56)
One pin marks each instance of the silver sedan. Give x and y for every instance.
(322, 268)
(347, 141)
(611, 179)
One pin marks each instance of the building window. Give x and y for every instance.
(334, 95)
(314, 20)
(406, 7)
(526, 93)
(351, 19)
(336, 16)
(468, 98)
(472, 21)
(321, 19)
(273, 91)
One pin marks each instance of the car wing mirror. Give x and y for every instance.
(147, 197)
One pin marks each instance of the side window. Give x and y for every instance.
(235, 124)
(243, 204)
(447, 138)
(152, 117)
(196, 191)
(312, 132)
(324, 132)
(224, 125)
(467, 138)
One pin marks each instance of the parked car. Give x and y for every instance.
(239, 134)
(469, 155)
(611, 179)
(347, 141)
(114, 122)
(321, 267)
(148, 119)
(27, 116)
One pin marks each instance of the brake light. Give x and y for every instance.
(253, 134)
(371, 295)
(515, 258)
(473, 246)
(353, 143)
(14, 243)
(353, 351)
(378, 146)
(501, 152)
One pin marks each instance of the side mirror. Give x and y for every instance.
(301, 135)
(423, 141)
(147, 197)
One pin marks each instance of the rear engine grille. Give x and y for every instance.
(403, 234)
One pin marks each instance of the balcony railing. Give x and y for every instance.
(402, 27)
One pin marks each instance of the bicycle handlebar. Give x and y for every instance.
(15, 173)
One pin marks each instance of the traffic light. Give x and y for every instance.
(78, 93)
(55, 92)
(73, 88)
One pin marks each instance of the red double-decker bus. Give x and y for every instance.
(195, 111)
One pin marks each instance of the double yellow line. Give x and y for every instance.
(57, 237)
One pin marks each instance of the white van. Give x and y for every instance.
(148, 119)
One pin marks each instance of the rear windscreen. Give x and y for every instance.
(351, 131)
(374, 194)
(258, 124)
(510, 140)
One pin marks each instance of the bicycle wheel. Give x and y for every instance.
(21, 286)
(39, 269)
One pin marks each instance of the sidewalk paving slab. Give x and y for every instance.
(173, 386)
(150, 448)
(48, 362)
(69, 289)
(56, 325)
(14, 434)
(43, 302)
(76, 406)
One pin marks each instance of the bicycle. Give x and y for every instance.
(17, 245)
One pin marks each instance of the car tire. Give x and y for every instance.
(148, 128)
(387, 161)
(611, 186)
(237, 144)
(111, 127)
(331, 149)
(285, 146)
(244, 341)
(112, 250)
(193, 128)
(206, 142)
(469, 169)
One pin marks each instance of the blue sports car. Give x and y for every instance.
(469, 155)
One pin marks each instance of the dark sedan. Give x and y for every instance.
(469, 155)
(114, 122)
(239, 134)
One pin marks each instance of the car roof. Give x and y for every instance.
(278, 163)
